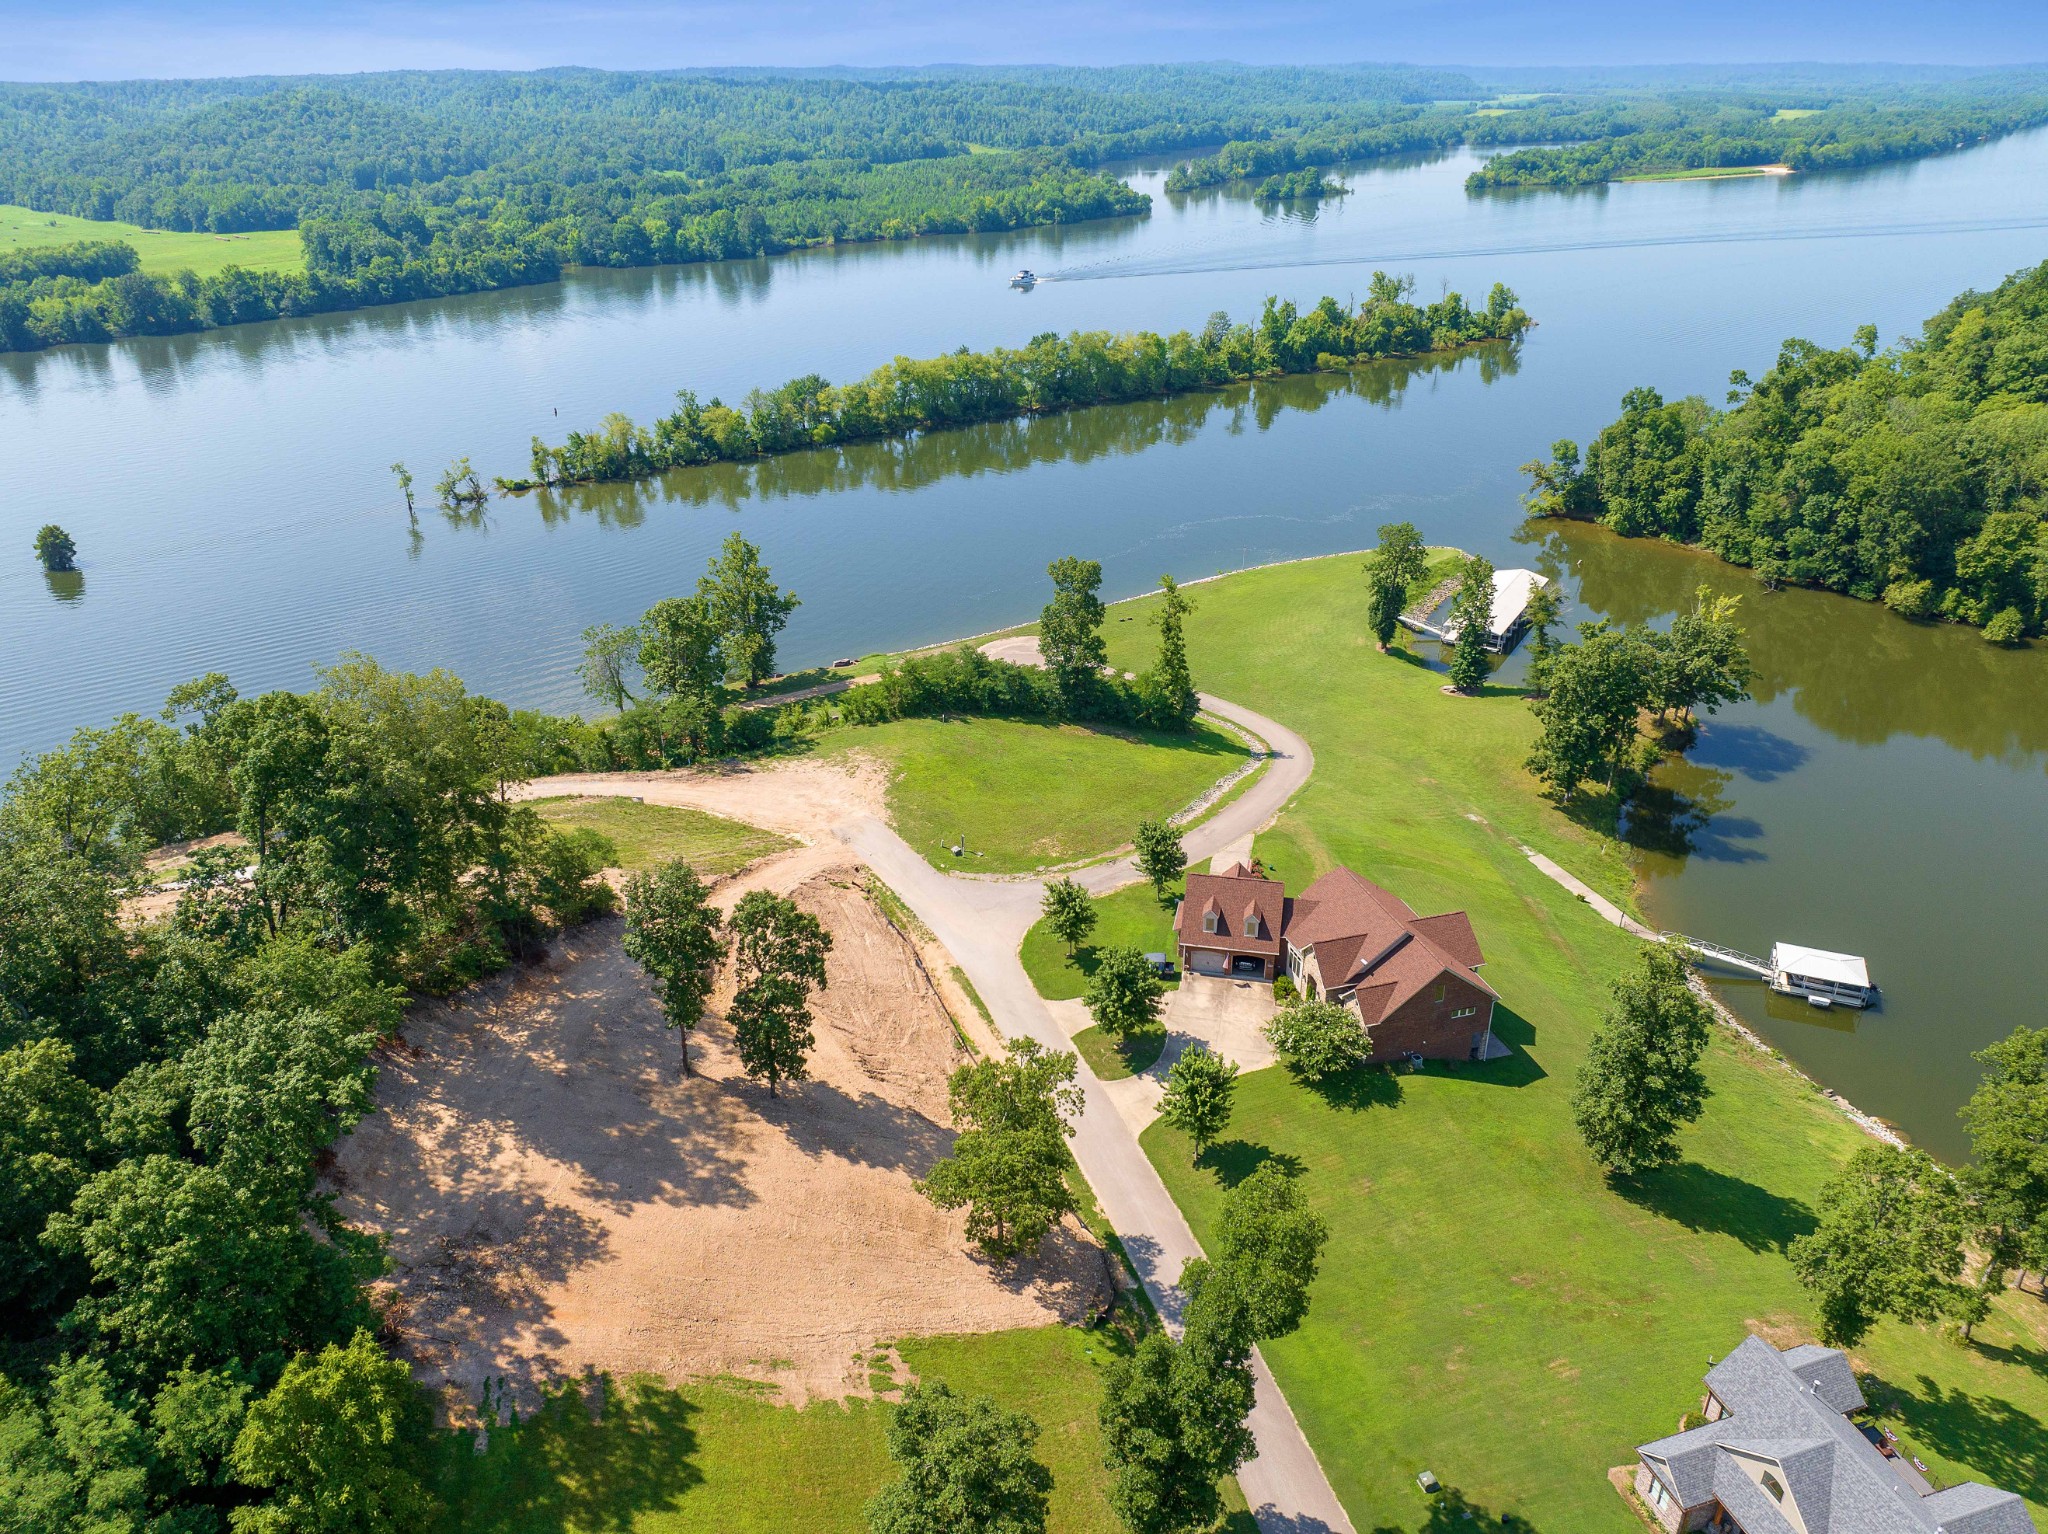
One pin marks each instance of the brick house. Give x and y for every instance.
(1413, 980)
(1782, 1453)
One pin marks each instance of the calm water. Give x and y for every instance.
(230, 498)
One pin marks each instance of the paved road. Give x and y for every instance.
(982, 923)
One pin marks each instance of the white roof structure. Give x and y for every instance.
(1819, 964)
(1511, 592)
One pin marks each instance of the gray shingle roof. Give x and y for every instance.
(1785, 1413)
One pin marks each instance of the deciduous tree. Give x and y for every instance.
(779, 958)
(1170, 687)
(1472, 612)
(1124, 992)
(676, 934)
(1068, 912)
(1396, 565)
(1889, 1243)
(1008, 1164)
(1070, 627)
(1641, 1080)
(55, 548)
(748, 610)
(682, 648)
(610, 652)
(966, 1466)
(1598, 687)
(1200, 1089)
(1318, 1039)
(2007, 1179)
(1161, 857)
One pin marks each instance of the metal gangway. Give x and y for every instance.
(1720, 953)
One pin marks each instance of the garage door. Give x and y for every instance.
(1206, 961)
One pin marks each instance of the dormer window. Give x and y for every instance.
(1209, 921)
(1772, 1485)
(1251, 924)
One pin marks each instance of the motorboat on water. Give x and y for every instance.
(1025, 279)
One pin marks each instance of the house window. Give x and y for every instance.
(1659, 1497)
(1208, 921)
(1771, 1485)
(1440, 993)
(1251, 924)
(1465, 1012)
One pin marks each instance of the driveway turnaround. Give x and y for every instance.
(982, 923)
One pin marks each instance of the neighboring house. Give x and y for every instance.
(1412, 980)
(1780, 1455)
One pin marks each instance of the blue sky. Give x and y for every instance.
(108, 39)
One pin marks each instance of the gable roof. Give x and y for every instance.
(1232, 895)
(1369, 941)
(1785, 1410)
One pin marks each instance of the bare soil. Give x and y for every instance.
(560, 1201)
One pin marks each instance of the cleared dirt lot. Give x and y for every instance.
(560, 1201)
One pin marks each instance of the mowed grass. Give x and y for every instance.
(1133, 917)
(1489, 1307)
(1028, 795)
(161, 250)
(1113, 1058)
(1698, 173)
(716, 1458)
(646, 834)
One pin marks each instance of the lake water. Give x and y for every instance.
(230, 497)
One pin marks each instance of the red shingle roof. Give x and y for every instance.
(1369, 938)
(1233, 896)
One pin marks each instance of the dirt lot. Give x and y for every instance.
(559, 1200)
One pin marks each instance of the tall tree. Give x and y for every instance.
(1701, 664)
(966, 1468)
(1396, 565)
(1124, 992)
(1472, 612)
(749, 611)
(779, 958)
(1318, 1039)
(1173, 1425)
(1161, 856)
(1545, 604)
(1264, 1253)
(1068, 912)
(2007, 1117)
(1199, 1092)
(1170, 688)
(1641, 1080)
(49, 1140)
(1889, 1243)
(341, 1443)
(1008, 1164)
(682, 648)
(1598, 688)
(610, 651)
(676, 934)
(1070, 627)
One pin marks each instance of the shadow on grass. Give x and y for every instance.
(1998, 1441)
(1235, 1160)
(1517, 1069)
(1702, 1199)
(2034, 1360)
(1451, 1513)
(1370, 1086)
(565, 1467)
(1113, 1059)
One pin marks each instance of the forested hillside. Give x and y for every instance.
(1917, 475)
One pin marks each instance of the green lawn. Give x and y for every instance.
(162, 250)
(1112, 1058)
(718, 1459)
(1698, 173)
(1028, 795)
(1793, 114)
(646, 834)
(1489, 1308)
(1133, 917)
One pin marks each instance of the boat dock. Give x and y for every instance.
(1511, 592)
(1820, 978)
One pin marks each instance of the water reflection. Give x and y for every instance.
(1854, 669)
(65, 585)
(1006, 447)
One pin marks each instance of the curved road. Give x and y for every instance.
(982, 923)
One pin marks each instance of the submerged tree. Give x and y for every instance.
(55, 549)
(1395, 566)
(459, 486)
(1641, 1081)
(404, 477)
(1701, 663)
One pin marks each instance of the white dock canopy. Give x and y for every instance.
(1511, 592)
(1844, 969)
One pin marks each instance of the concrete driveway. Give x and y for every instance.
(1225, 1014)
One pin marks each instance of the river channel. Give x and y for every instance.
(1885, 794)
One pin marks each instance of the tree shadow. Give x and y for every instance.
(864, 1128)
(1451, 1512)
(1370, 1086)
(1702, 1199)
(2000, 1442)
(595, 1457)
(1235, 1160)
(1761, 755)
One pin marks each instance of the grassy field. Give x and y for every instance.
(162, 250)
(1793, 114)
(1133, 917)
(1490, 1308)
(1699, 173)
(716, 1458)
(646, 834)
(1112, 1058)
(1028, 795)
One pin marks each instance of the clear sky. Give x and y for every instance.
(112, 39)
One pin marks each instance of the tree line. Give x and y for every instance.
(1914, 476)
(1049, 373)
